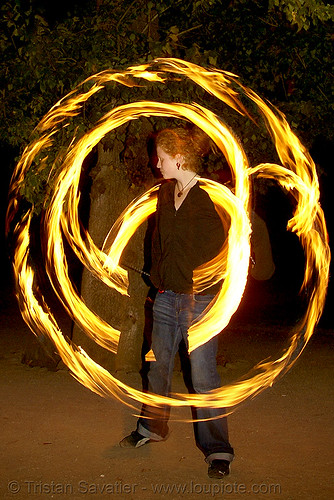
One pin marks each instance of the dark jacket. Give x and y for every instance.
(184, 238)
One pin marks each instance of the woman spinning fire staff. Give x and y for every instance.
(188, 233)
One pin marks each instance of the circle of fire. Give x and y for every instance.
(296, 174)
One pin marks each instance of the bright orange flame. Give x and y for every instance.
(297, 173)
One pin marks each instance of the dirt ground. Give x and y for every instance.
(59, 440)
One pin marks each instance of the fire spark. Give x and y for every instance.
(296, 174)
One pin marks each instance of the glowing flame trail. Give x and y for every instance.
(297, 174)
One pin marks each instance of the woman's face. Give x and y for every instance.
(166, 164)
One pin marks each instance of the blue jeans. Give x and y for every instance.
(173, 313)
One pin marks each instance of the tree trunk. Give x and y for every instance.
(110, 195)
